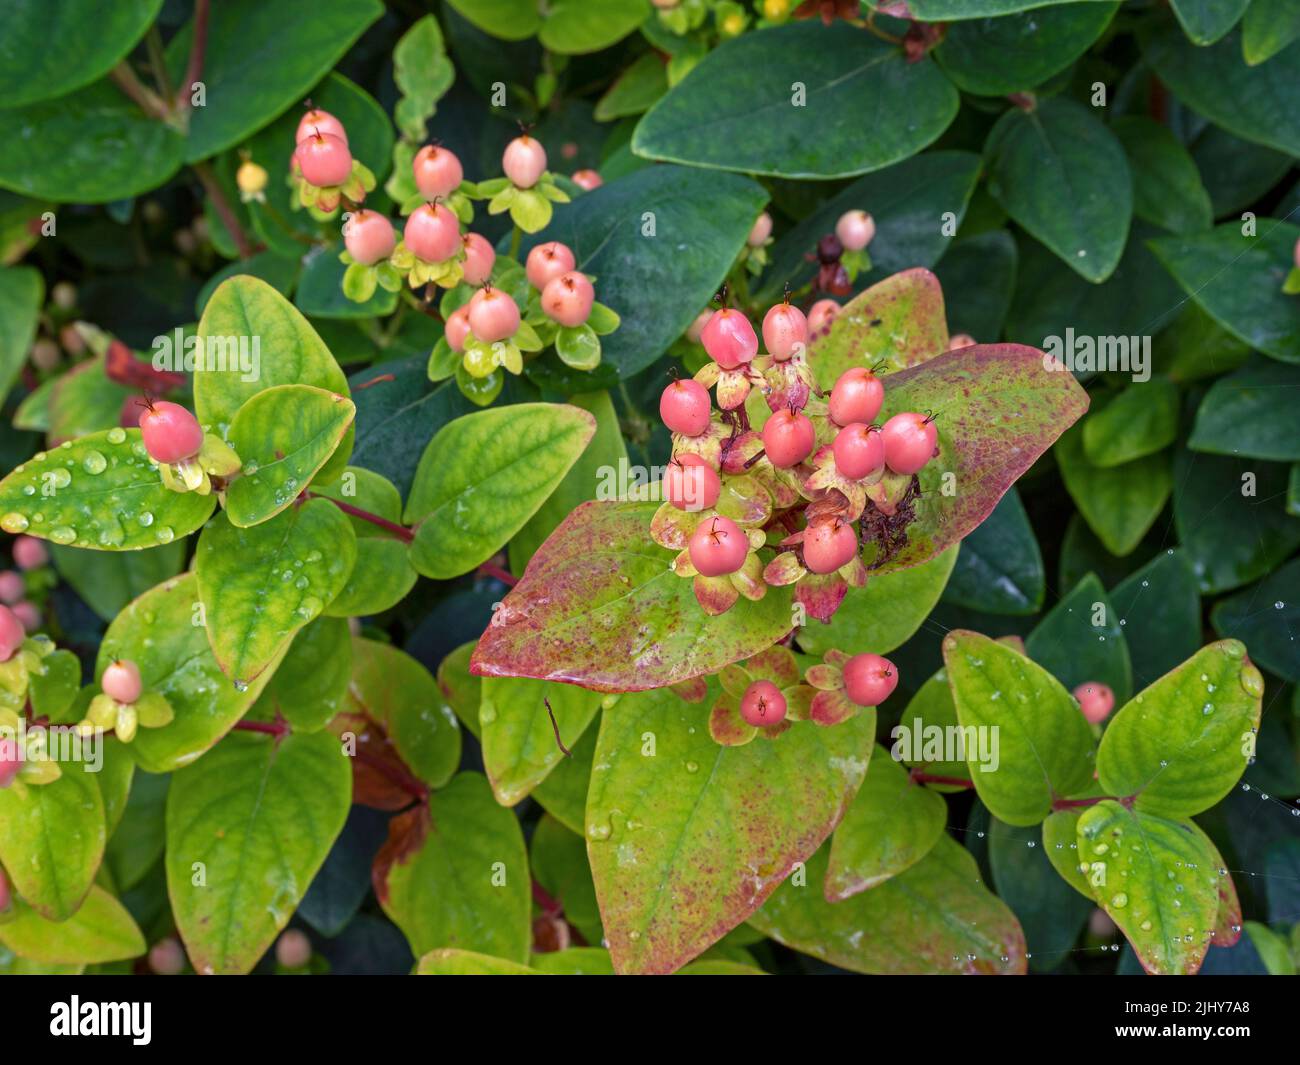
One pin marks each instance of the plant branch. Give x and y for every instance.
(489, 570)
(158, 62)
(126, 79)
(277, 728)
(212, 187)
(921, 777)
(396, 774)
(400, 531)
(556, 728)
(198, 48)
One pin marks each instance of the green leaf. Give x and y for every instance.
(1235, 171)
(82, 401)
(1269, 26)
(259, 586)
(423, 74)
(932, 705)
(1120, 503)
(1062, 175)
(1195, 346)
(52, 838)
(1061, 844)
(633, 91)
(599, 605)
(1264, 617)
(575, 27)
(278, 271)
(998, 56)
(558, 858)
(53, 693)
(578, 347)
(100, 931)
(289, 352)
(1044, 746)
(137, 844)
(1139, 421)
(1256, 103)
(941, 10)
(392, 688)
(1252, 305)
(108, 582)
(459, 876)
(1167, 187)
(884, 613)
(1162, 603)
(1080, 641)
(511, 20)
(1205, 21)
(484, 475)
(1180, 745)
(936, 917)
(91, 41)
(519, 746)
(258, 815)
(22, 291)
(1157, 879)
(1251, 413)
(250, 77)
(891, 825)
(283, 436)
(682, 227)
(94, 146)
(102, 492)
(687, 837)
(758, 121)
(310, 685)
(1000, 568)
(450, 962)
(978, 275)
(163, 633)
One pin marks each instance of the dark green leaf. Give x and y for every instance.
(1251, 412)
(1120, 503)
(979, 278)
(1269, 26)
(1167, 188)
(1266, 617)
(1000, 568)
(1080, 641)
(1160, 605)
(1139, 421)
(1205, 21)
(22, 291)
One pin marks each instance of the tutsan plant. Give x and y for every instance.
(704, 486)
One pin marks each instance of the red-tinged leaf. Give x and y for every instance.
(598, 606)
(726, 726)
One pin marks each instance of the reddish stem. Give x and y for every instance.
(212, 187)
(378, 380)
(506, 578)
(198, 47)
(276, 728)
(397, 774)
(400, 531)
(921, 777)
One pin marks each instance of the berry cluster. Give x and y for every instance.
(322, 168)
(189, 460)
(123, 705)
(800, 486)
(24, 756)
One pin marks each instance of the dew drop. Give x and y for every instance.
(116, 435)
(165, 534)
(94, 463)
(13, 522)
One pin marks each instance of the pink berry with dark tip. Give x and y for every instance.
(859, 451)
(869, 679)
(1096, 701)
(690, 483)
(369, 237)
(171, 433)
(855, 230)
(432, 232)
(763, 705)
(493, 315)
(324, 159)
(547, 262)
(785, 331)
(318, 121)
(718, 547)
(12, 587)
(788, 438)
(828, 545)
(729, 339)
(857, 396)
(910, 440)
(28, 613)
(456, 328)
(480, 257)
(685, 407)
(30, 553)
(12, 633)
(524, 161)
(567, 299)
(121, 681)
(438, 172)
(821, 314)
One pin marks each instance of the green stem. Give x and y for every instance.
(514, 243)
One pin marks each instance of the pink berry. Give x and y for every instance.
(121, 681)
(859, 451)
(456, 328)
(6, 897)
(10, 761)
(690, 483)
(12, 633)
(587, 179)
(760, 231)
(696, 329)
(318, 121)
(438, 172)
(855, 230)
(369, 237)
(432, 232)
(718, 547)
(493, 315)
(29, 615)
(325, 159)
(820, 316)
(567, 299)
(479, 258)
(293, 949)
(171, 433)
(30, 553)
(869, 679)
(785, 330)
(762, 705)
(167, 958)
(685, 407)
(524, 161)
(788, 438)
(828, 545)
(909, 440)
(12, 587)
(1296, 256)
(961, 340)
(547, 262)
(1096, 701)
(729, 339)
(857, 396)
